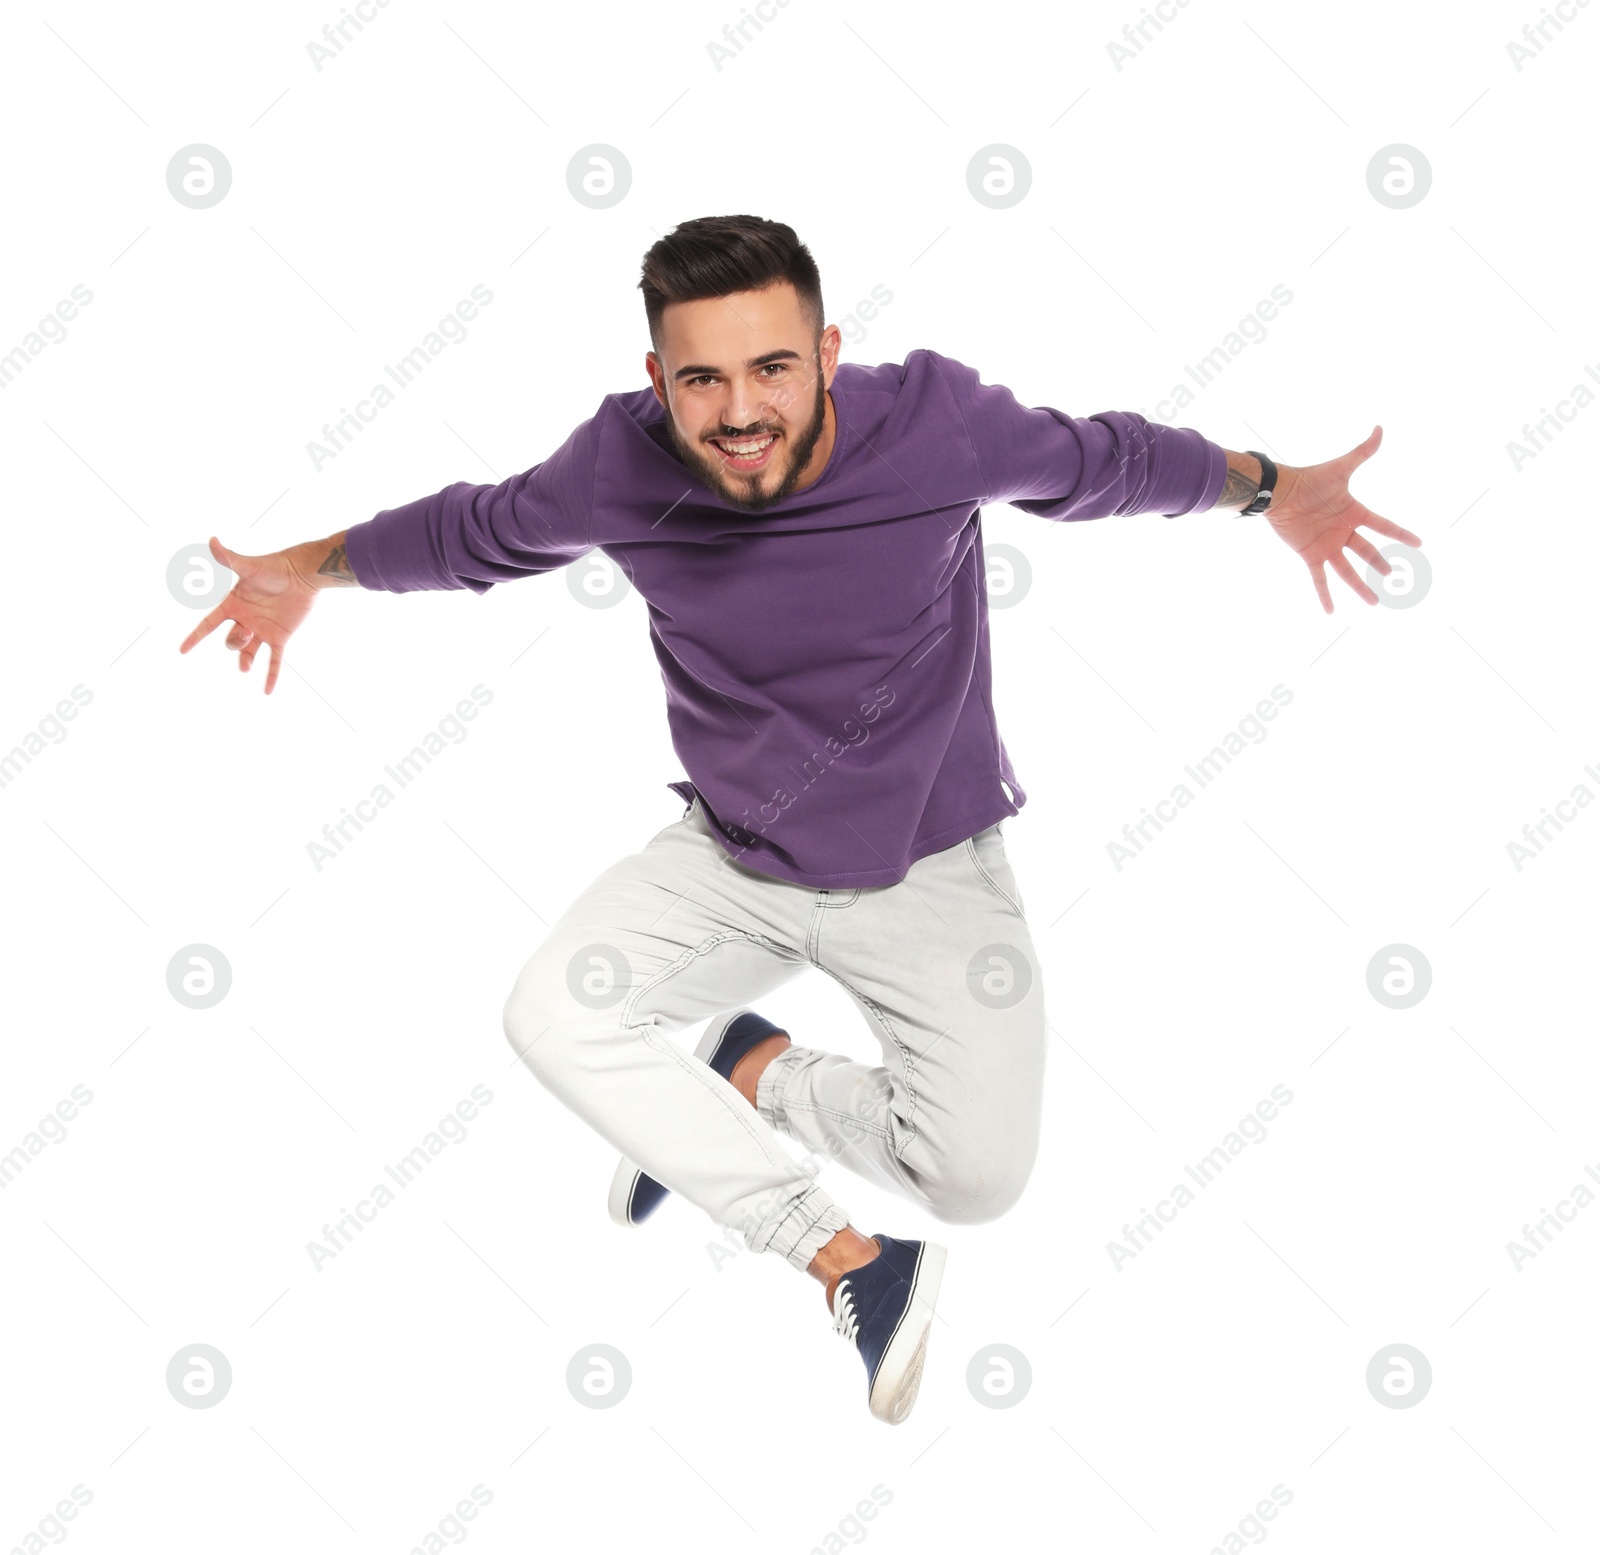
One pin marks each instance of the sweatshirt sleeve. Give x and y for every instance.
(1071, 467)
(473, 537)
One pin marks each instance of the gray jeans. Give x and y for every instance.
(940, 964)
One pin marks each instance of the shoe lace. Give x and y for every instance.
(844, 1310)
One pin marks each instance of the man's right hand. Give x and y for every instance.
(271, 598)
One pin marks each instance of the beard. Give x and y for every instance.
(744, 491)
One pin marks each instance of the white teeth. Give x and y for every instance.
(745, 450)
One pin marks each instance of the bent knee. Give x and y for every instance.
(974, 1194)
(537, 1016)
(574, 977)
(563, 1009)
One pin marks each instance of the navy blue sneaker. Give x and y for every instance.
(885, 1308)
(635, 1195)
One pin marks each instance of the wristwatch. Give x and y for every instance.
(1269, 478)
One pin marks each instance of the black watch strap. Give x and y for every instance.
(1269, 478)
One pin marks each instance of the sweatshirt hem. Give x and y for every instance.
(950, 837)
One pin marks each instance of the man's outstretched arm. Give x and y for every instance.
(1314, 514)
(1067, 468)
(463, 537)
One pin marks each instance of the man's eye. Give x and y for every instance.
(700, 378)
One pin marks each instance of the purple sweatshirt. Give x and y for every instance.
(826, 661)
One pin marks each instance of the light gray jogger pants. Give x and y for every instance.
(941, 965)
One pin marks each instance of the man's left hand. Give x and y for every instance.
(1317, 518)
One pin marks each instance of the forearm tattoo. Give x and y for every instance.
(1238, 490)
(337, 570)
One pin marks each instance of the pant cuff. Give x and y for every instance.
(802, 1231)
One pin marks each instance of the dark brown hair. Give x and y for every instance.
(712, 256)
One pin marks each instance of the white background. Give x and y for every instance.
(1168, 197)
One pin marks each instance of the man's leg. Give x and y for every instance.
(942, 966)
(666, 937)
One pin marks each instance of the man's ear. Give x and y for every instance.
(658, 376)
(829, 353)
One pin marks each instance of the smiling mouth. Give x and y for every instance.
(746, 453)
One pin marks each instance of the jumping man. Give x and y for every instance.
(806, 535)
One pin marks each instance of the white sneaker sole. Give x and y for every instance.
(627, 1174)
(622, 1183)
(894, 1389)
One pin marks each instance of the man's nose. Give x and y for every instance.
(745, 408)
